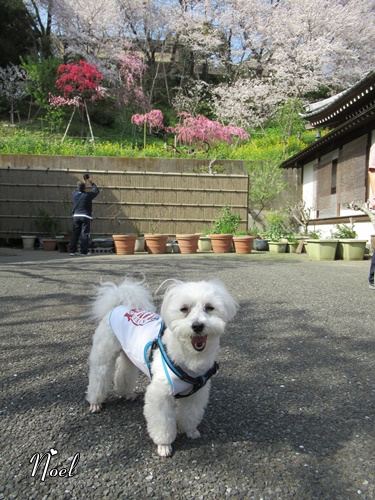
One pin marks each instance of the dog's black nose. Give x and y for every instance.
(197, 327)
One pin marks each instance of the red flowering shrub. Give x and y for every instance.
(78, 82)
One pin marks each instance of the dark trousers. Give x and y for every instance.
(372, 269)
(81, 228)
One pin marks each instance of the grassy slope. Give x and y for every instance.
(110, 141)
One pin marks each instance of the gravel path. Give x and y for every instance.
(291, 412)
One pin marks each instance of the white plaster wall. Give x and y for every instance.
(364, 229)
(308, 188)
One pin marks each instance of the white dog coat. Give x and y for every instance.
(136, 331)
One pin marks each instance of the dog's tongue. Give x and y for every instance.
(199, 342)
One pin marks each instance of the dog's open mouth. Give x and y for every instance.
(199, 342)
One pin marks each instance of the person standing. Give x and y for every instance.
(82, 215)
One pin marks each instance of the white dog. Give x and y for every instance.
(177, 351)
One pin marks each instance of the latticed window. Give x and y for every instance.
(341, 178)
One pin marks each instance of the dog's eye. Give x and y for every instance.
(209, 308)
(184, 309)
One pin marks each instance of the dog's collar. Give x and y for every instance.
(196, 382)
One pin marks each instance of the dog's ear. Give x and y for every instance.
(231, 306)
(168, 294)
(172, 284)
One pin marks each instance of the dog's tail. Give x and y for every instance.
(130, 293)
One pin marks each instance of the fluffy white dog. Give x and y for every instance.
(177, 350)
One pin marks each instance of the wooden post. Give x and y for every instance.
(300, 246)
(88, 120)
(67, 128)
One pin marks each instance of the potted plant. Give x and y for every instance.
(204, 241)
(243, 243)
(28, 240)
(155, 243)
(318, 248)
(224, 227)
(276, 232)
(348, 246)
(124, 243)
(140, 243)
(292, 244)
(187, 243)
(48, 225)
(260, 242)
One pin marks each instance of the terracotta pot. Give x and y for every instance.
(49, 244)
(243, 244)
(124, 243)
(156, 243)
(221, 243)
(188, 243)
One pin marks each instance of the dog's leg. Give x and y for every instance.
(126, 377)
(190, 411)
(104, 352)
(160, 413)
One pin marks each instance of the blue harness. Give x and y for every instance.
(196, 382)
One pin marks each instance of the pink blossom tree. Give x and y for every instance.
(202, 131)
(154, 119)
(131, 72)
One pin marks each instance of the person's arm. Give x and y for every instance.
(93, 185)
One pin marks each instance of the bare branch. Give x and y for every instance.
(302, 214)
(363, 207)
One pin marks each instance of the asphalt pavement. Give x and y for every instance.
(291, 412)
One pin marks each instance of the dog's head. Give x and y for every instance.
(197, 311)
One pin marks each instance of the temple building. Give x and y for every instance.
(334, 169)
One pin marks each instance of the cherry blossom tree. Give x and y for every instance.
(202, 131)
(131, 73)
(12, 86)
(191, 100)
(154, 119)
(246, 102)
(147, 24)
(253, 53)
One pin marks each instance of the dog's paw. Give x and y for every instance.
(164, 450)
(131, 396)
(95, 408)
(195, 434)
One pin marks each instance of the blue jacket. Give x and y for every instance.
(82, 201)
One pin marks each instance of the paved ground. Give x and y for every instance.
(291, 413)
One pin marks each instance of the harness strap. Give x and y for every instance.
(150, 346)
(196, 382)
